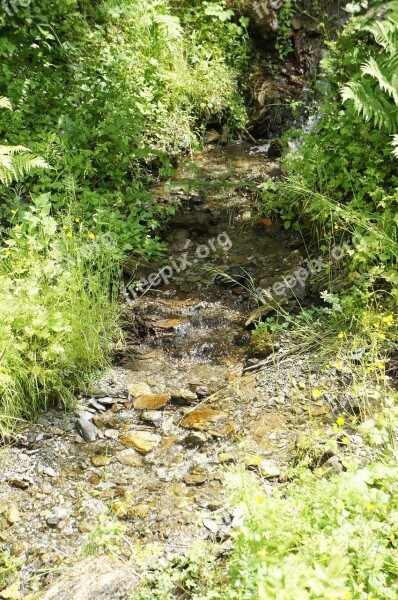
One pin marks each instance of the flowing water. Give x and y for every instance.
(179, 394)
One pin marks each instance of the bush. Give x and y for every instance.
(57, 310)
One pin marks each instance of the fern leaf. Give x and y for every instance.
(394, 144)
(383, 75)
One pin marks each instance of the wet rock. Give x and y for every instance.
(129, 458)
(168, 323)
(202, 391)
(152, 416)
(52, 521)
(101, 577)
(111, 434)
(233, 275)
(212, 136)
(87, 430)
(100, 460)
(20, 482)
(211, 525)
(183, 397)
(199, 418)
(151, 401)
(194, 439)
(277, 147)
(142, 441)
(13, 515)
(96, 404)
(195, 479)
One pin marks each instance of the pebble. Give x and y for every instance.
(87, 430)
(142, 441)
(194, 439)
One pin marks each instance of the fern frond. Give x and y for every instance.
(385, 35)
(385, 73)
(170, 25)
(394, 144)
(383, 113)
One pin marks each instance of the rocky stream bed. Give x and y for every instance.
(188, 399)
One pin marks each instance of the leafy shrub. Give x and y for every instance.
(57, 310)
(105, 91)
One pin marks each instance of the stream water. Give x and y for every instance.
(178, 407)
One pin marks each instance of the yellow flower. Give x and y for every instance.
(69, 234)
(327, 366)
(13, 211)
(337, 365)
(341, 335)
(17, 226)
(91, 235)
(381, 366)
(77, 220)
(382, 336)
(317, 393)
(259, 500)
(370, 506)
(347, 595)
(340, 421)
(336, 227)
(64, 227)
(388, 320)
(392, 538)
(222, 455)
(345, 440)
(261, 553)
(8, 252)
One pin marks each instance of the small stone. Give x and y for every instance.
(183, 397)
(142, 441)
(112, 434)
(202, 391)
(151, 401)
(19, 482)
(92, 402)
(100, 460)
(152, 416)
(87, 430)
(268, 469)
(129, 457)
(194, 439)
(198, 418)
(52, 521)
(195, 479)
(139, 389)
(13, 515)
(210, 525)
(94, 479)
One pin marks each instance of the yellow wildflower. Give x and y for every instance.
(336, 227)
(317, 393)
(69, 234)
(91, 235)
(337, 365)
(261, 553)
(382, 336)
(259, 500)
(345, 440)
(17, 226)
(327, 366)
(64, 227)
(370, 506)
(77, 220)
(392, 538)
(13, 211)
(341, 335)
(340, 421)
(222, 455)
(381, 366)
(388, 320)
